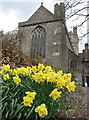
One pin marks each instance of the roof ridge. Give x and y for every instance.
(39, 9)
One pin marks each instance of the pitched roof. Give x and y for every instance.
(41, 15)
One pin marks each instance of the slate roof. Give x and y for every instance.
(41, 15)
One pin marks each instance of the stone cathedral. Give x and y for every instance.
(45, 34)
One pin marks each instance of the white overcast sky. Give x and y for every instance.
(14, 11)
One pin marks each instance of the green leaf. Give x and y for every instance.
(1, 106)
(19, 107)
(12, 106)
(19, 116)
(7, 113)
(7, 91)
(36, 116)
(4, 106)
(1, 92)
(3, 87)
(29, 113)
(3, 99)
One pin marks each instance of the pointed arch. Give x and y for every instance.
(73, 64)
(38, 42)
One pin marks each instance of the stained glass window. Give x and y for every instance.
(38, 42)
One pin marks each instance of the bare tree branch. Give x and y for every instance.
(77, 12)
(81, 37)
(81, 14)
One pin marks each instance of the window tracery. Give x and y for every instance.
(38, 42)
(73, 64)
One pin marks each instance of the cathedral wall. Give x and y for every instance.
(74, 62)
(53, 41)
(75, 65)
(56, 49)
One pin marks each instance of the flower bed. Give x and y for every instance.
(34, 93)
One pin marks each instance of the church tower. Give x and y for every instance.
(60, 51)
(44, 34)
(74, 40)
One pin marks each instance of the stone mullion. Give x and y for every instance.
(44, 44)
(39, 44)
(34, 49)
(38, 39)
(40, 47)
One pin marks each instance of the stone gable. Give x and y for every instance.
(41, 15)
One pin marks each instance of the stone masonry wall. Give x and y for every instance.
(56, 49)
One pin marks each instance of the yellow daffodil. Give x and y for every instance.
(40, 67)
(40, 74)
(60, 72)
(57, 78)
(61, 83)
(34, 68)
(65, 76)
(5, 67)
(68, 80)
(27, 101)
(55, 94)
(31, 94)
(50, 79)
(70, 86)
(41, 110)
(23, 71)
(13, 72)
(38, 77)
(16, 79)
(29, 68)
(6, 77)
(69, 75)
(48, 69)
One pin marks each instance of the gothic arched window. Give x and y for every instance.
(73, 64)
(38, 42)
